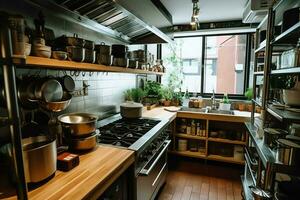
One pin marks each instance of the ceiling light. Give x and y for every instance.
(193, 21)
(195, 14)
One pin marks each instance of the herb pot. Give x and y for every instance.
(224, 106)
(131, 109)
(78, 124)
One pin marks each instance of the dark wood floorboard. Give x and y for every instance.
(200, 181)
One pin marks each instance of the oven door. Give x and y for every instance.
(153, 175)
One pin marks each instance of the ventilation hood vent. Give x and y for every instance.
(107, 17)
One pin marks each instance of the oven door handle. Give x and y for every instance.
(146, 172)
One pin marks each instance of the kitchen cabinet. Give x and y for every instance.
(266, 173)
(210, 137)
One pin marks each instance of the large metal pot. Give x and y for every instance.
(288, 152)
(64, 41)
(26, 92)
(131, 109)
(103, 49)
(78, 124)
(76, 53)
(39, 158)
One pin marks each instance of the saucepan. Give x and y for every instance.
(78, 124)
(131, 110)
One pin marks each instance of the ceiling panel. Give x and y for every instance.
(210, 10)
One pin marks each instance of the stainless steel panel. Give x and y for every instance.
(150, 181)
(113, 19)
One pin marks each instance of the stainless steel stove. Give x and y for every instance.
(149, 139)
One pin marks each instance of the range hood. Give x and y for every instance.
(107, 17)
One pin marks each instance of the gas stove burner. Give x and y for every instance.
(125, 132)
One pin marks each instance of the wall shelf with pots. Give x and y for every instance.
(227, 141)
(47, 63)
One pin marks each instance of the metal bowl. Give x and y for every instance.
(57, 106)
(78, 124)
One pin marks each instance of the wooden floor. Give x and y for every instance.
(201, 183)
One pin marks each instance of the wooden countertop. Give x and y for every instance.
(162, 113)
(96, 172)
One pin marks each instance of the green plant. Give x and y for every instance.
(153, 88)
(225, 99)
(166, 93)
(128, 95)
(137, 94)
(249, 93)
(134, 94)
(177, 96)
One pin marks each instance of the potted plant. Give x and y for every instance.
(177, 99)
(225, 103)
(134, 94)
(290, 88)
(166, 96)
(249, 95)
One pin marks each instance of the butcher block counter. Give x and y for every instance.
(170, 113)
(97, 170)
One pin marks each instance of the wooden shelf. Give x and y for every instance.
(225, 159)
(38, 62)
(189, 154)
(195, 137)
(286, 70)
(289, 36)
(228, 141)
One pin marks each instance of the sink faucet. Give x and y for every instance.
(213, 101)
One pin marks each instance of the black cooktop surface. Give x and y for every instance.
(125, 132)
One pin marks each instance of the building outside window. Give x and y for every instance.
(224, 63)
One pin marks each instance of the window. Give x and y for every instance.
(224, 63)
(185, 58)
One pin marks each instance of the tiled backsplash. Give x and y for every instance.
(104, 89)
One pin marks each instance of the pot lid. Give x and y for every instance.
(260, 192)
(131, 104)
(275, 131)
(288, 143)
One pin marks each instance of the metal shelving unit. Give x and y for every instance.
(13, 120)
(268, 161)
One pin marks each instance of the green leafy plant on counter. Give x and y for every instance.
(166, 93)
(225, 99)
(134, 94)
(249, 93)
(153, 88)
(177, 98)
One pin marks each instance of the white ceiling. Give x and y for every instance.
(210, 10)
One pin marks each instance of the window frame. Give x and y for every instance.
(202, 65)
